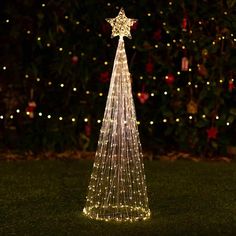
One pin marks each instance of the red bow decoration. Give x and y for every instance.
(212, 133)
(143, 97)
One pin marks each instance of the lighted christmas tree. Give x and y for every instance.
(117, 189)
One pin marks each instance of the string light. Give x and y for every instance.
(117, 189)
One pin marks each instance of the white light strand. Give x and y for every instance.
(117, 189)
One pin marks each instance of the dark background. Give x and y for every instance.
(59, 55)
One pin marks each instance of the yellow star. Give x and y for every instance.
(121, 25)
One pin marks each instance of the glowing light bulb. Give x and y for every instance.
(49, 117)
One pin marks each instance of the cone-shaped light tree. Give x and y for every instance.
(117, 189)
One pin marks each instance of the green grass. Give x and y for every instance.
(186, 198)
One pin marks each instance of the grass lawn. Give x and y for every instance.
(186, 198)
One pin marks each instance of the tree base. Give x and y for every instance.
(117, 213)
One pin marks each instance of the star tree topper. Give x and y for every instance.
(121, 25)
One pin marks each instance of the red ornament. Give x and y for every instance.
(231, 85)
(184, 64)
(170, 79)
(30, 109)
(202, 70)
(87, 130)
(104, 76)
(212, 133)
(157, 35)
(74, 60)
(134, 26)
(184, 23)
(149, 67)
(143, 97)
